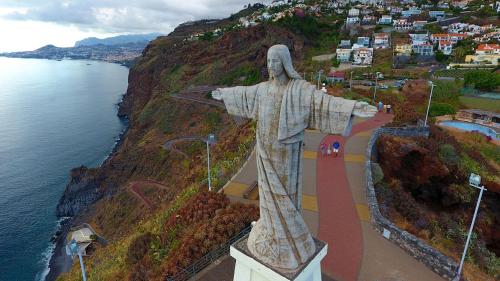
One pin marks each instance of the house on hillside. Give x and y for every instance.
(352, 20)
(363, 41)
(488, 49)
(419, 38)
(402, 25)
(438, 15)
(395, 10)
(381, 40)
(446, 47)
(336, 77)
(353, 12)
(362, 56)
(419, 24)
(344, 55)
(403, 49)
(345, 44)
(385, 20)
(413, 11)
(489, 37)
(423, 49)
(368, 20)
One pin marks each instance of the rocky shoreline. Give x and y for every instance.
(80, 192)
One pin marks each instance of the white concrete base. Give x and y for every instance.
(249, 269)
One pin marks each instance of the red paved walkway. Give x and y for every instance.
(339, 224)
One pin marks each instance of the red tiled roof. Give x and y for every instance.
(487, 47)
(458, 34)
(337, 74)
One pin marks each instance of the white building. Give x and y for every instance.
(344, 55)
(439, 15)
(446, 47)
(417, 39)
(381, 40)
(353, 12)
(413, 11)
(352, 20)
(385, 19)
(362, 56)
(402, 25)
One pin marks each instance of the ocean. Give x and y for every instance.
(54, 115)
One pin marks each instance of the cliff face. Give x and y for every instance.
(168, 65)
(82, 190)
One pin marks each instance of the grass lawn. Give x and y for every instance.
(481, 103)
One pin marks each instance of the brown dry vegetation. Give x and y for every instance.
(425, 191)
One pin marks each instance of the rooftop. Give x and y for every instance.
(488, 47)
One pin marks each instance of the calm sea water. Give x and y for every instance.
(54, 115)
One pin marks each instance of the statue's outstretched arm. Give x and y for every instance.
(239, 101)
(364, 110)
(333, 115)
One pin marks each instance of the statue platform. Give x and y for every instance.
(249, 268)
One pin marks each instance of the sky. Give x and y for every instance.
(30, 24)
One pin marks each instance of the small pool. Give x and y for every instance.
(470, 127)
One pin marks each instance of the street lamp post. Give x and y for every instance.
(429, 104)
(72, 249)
(350, 82)
(474, 181)
(376, 82)
(210, 140)
(319, 76)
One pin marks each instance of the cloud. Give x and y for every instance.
(114, 16)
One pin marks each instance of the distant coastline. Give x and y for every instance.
(122, 49)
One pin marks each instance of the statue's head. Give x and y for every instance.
(279, 62)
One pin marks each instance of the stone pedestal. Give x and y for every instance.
(248, 268)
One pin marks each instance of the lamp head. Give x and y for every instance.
(474, 180)
(211, 139)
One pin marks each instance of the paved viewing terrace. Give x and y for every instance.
(334, 206)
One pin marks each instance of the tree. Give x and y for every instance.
(458, 54)
(482, 79)
(440, 56)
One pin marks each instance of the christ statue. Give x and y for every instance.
(284, 107)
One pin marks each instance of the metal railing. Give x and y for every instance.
(197, 266)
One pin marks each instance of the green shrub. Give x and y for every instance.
(139, 248)
(469, 165)
(213, 120)
(446, 91)
(439, 109)
(207, 36)
(448, 155)
(457, 194)
(245, 75)
(307, 25)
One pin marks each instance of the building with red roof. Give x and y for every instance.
(488, 49)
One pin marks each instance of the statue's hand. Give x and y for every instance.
(217, 94)
(364, 110)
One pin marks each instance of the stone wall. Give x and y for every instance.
(432, 258)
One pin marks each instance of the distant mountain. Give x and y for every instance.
(117, 40)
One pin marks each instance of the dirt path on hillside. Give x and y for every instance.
(135, 188)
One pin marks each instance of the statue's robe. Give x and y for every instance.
(280, 238)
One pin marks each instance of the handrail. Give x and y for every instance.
(197, 266)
